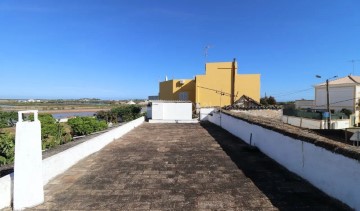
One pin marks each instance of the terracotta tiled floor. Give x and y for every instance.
(181, 167)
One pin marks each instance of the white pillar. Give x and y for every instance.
(28, 184)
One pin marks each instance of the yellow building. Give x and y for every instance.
(220, 86)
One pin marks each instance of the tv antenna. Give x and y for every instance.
(206, 51)
(353, 64)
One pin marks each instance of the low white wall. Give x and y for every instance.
(59, 163)
(204, 112)
(315, 124)
(342, 124)
(335, 174)
(294, 121)
(311, 123)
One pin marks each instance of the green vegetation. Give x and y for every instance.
(347, 112)
(8, 119)
(86, 125)
(268, 101)
(7, 148)
(122, 113)
(108, 116)
(52, 132)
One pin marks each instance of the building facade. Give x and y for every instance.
(221, 85)
(343, 93)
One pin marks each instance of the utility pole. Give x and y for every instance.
(233, 74)
(327, 101)
(328, 104)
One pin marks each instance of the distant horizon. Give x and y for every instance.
(71, 98)
(128, 99)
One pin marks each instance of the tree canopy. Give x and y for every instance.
(268, 100)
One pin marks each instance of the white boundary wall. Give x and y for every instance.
(335, 174)
(315, 124)
(59, 163)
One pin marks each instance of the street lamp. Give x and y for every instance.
(327, 100)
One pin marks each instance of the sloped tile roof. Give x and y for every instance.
(351, 79)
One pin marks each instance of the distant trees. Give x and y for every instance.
(347, 112)
(268, 100)
(122, 113)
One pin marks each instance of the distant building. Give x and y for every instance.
(33, 101)
(131, 102)
(304, 104)
(343, 93)
(247, 102)
(220, 86)
(154, 97)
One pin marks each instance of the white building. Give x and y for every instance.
(303, 104)
(131, 102)
(170, 112)
(343, 93)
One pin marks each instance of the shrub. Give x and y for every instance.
(52, 132)
(7, 148)
(86, 125)
(8, 119)
(347, 112)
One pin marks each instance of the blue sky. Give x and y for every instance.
(113, 49)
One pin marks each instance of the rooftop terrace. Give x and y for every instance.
(182, 167)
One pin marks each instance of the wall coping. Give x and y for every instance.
(305, 135)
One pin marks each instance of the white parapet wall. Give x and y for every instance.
(204, 113)
(6, 190)
(59, 163)
(335, 174)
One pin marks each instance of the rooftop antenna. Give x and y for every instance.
(353, 64)
(206, 51)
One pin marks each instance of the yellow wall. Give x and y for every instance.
(217, 77)
(170, 90)
(166, 90)
(202, 90)
(249, 85)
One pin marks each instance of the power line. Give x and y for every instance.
(339, 102)
(217, 91)
(294, 92)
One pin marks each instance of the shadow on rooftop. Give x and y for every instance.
(285, 190)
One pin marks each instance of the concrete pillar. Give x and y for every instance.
(28, 182)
